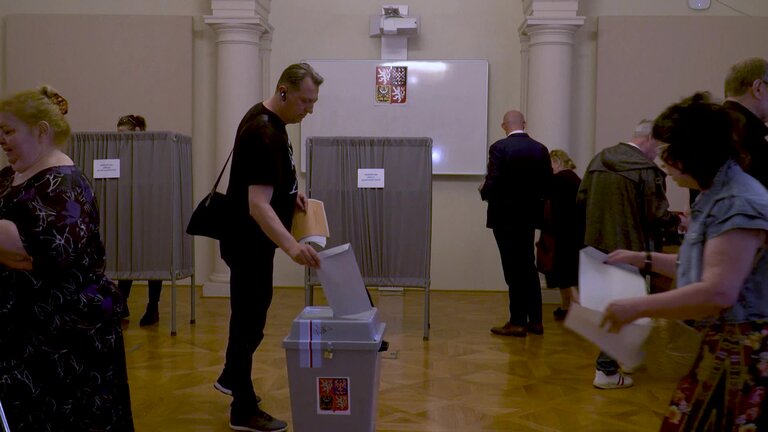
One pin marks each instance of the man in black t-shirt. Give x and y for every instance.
(264, 192)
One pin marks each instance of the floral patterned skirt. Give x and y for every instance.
(725, 390)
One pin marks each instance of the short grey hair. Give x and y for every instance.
(643, 129)
(742, 74)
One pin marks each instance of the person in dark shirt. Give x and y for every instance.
(137, 123)
(263, 191)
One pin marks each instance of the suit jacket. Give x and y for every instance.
(752, 142)
(518, 181)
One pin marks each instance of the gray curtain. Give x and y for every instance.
(143, 212)
(390, 228)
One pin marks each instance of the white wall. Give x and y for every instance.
(464, 253)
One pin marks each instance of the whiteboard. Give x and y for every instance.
(444, 100)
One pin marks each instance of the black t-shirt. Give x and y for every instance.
(262, 156)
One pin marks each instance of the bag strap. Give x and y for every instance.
(218, 179)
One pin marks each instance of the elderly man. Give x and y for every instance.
(746, 92)
(624, 202)
(518, 179)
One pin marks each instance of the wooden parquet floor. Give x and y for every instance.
(462, 379)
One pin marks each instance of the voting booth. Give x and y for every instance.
(332, 352)
(143, 185)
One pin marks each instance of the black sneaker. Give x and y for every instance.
(258, 422)
(225, 387)
(151, 315)
(125, 313)
(560, 313)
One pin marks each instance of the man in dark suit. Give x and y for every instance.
(518, 179)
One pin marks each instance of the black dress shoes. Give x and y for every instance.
(510, 329)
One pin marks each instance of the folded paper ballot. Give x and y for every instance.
(342, 282)
(599, 285)
(311, 225)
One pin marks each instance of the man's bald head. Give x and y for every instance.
(513, 120)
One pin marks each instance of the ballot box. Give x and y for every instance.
(333, 358)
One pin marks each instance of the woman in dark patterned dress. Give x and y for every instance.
(561, 238)
(62, 360)
(722, 274)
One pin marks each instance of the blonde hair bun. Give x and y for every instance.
(55, 98)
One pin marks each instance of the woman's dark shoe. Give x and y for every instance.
(560, 314)
(125, 313)
(151, 316)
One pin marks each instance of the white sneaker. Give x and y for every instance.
(608, 382)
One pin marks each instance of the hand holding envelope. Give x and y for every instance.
(599, 285)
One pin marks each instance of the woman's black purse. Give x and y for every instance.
(212, 215)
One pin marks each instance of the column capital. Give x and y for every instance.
(241, 7)
(548, 34)
(560, 14)
(238, 31)
(246, 16)
(554, 8)
(266, 41)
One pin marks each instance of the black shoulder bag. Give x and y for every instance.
(212, 214)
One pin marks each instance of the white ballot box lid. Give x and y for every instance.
(342, 283)
(316, 325)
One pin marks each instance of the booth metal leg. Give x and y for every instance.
(426, 313)
(192, 300)
(173, 305)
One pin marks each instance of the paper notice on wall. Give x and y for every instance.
(106, 168)
(370, 178)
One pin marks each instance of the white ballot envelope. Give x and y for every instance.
(625, 346)
(599, 285)
(342, 283)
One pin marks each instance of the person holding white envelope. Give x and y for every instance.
(722, 273)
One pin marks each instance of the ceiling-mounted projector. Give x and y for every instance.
(383, 25)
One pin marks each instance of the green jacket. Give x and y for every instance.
(623, 200)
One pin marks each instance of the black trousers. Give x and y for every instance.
(519, 264)
(155, 286)
(250, 286)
